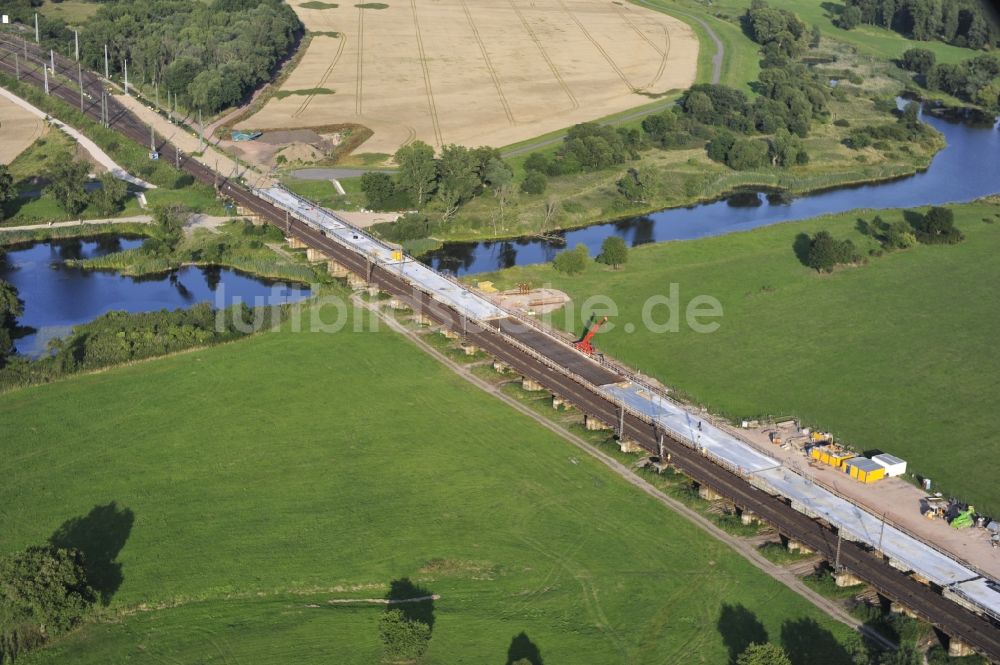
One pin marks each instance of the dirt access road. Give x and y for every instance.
(455, 71)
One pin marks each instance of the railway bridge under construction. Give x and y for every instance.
(951, 595)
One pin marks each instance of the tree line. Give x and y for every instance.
(974, 80)
(965, 23)
(210, 54)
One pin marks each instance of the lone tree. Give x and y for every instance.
(67, 181)
(110, 198)
(763, 654)
(614, 252)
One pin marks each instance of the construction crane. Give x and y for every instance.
(591, 330)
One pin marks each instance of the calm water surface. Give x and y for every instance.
(57, 297)
(968, 168)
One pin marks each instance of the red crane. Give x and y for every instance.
(584, 343)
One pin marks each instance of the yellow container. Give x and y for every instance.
(833, 457)
(397, 255)
(864, 470)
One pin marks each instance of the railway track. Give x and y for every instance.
(580, 389)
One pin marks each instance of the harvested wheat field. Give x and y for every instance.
(18, 130)
(474, 72)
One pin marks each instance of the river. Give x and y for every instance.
(57, 297)
(967, 169)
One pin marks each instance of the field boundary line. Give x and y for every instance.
(600, 48)
(431, 104)
(742, 547)
(323, 79)
(541, 49)
(489, 63)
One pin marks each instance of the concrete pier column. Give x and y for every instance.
(422, 319)
(846, 579)
(899, 608)
(957, 648)
(336, 269)
(530, 385)
(315, 256)
(796, 546)
(708, 494)
(396, 303)
(449, 333)
(593, 424)
(500, 367)
(356, 281)
(295, 243)
(558, 402)
(470, 349)
(748, 517)
(627, 445)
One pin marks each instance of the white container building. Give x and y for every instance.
(893, 465)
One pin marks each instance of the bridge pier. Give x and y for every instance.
(356, 281)
(899, 608)
(558, 402)
(846, 579)
(295, 243)
(530, 385)
(336, 269)
(470, 349)
(593, 424)
(627, 445)
(500, 367)
(315, 256)
(396, 303)
(958, 649)
(797, 546)
(708, 494)
(449, 333)
(748, 517)
(422, 319)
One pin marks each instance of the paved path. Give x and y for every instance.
(720, 51)
(743, 547)
(101, 157)
(333, 174)
(195, 221)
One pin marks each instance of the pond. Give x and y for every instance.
(968, 168)
(57, 297)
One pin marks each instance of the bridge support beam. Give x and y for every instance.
(957, 648)
(593, 424)
(846, 579)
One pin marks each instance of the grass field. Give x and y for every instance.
(897, 355)
(255, 479)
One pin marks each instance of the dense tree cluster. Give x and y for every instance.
(11, 307)
(960, 22)
(43, 592)
(120, 337)
(8, 191)
(779, 31)
(763, 654)
(825, 252)
(937, 227)
(211, 54)
(907, 128)
(974, 80)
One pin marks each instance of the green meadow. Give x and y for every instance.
(225, 496)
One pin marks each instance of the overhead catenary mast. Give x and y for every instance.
(126, 76)
(36, 27)
(106, 77)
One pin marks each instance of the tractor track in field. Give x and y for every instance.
(664, 52)
(600, 48)
(431, 104)
(489, 63)
(323, 79)
(359, 91)
(541, 49)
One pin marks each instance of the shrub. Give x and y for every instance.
(402, 638)
(535, 183)
(918, 60)
(842, 122)
(572, 261)
(938, 227)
